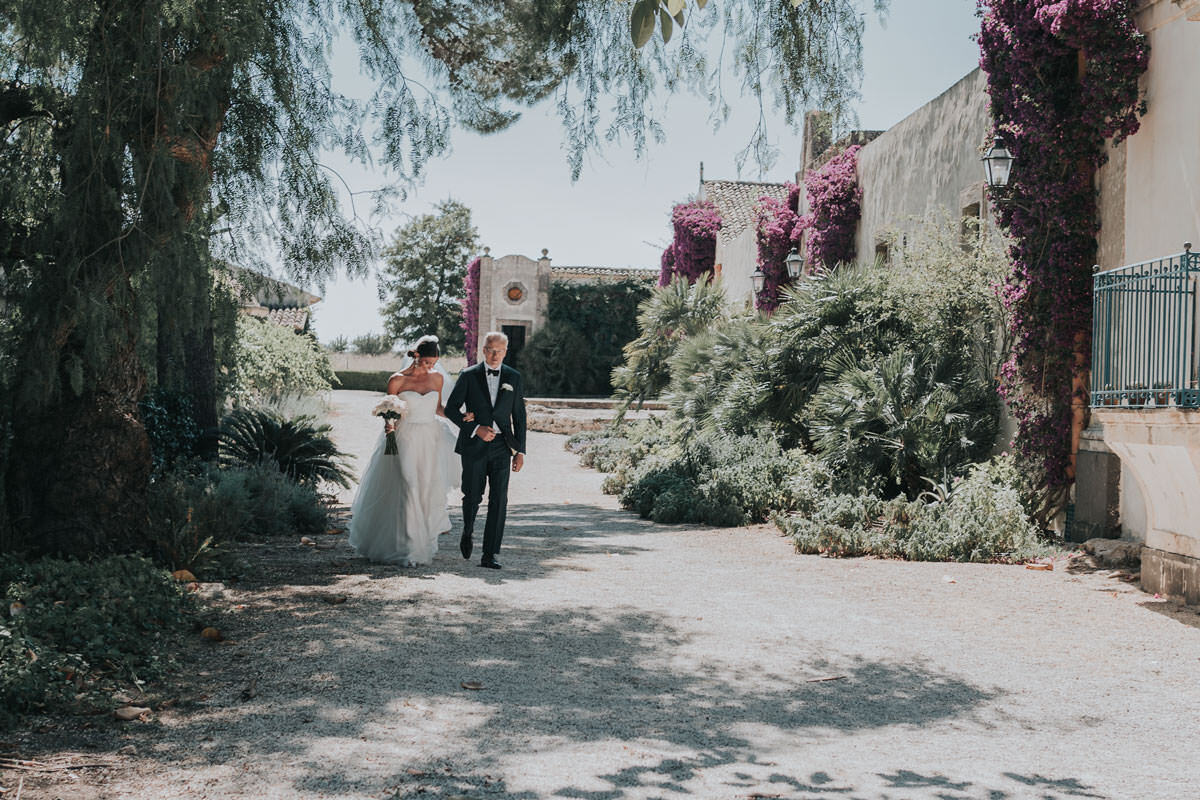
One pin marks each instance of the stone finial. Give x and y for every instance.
(545, 253)
(487, 251)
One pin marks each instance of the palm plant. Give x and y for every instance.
(302, 449)
(910, 415)
(714, 380)
(670, 315)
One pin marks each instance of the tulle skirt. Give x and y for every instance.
(401, 504)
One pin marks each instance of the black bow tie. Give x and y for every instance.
(495, 372)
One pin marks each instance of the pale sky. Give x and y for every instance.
(517, 182)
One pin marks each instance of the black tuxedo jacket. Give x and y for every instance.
(509, 412)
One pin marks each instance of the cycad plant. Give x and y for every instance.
(302, 449)
(894, 422)
(669, 316)
(716, 378)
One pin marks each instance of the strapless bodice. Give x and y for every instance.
(421, 407)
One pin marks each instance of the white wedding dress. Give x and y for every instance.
(401, 506)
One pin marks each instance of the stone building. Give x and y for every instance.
(514, 293)
(269, 299)
(737, 249)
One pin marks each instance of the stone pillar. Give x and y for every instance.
(543, 291)
(487, 280)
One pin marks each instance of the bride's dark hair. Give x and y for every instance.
(426, 346)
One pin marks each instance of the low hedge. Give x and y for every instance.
(375, 381)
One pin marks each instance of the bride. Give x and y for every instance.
(401, 506)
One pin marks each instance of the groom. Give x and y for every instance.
(491, 444)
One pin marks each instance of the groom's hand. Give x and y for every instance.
(485, 433)
(518, 462)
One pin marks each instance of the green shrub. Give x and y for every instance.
(276, 506)
(170, 422)
(667, 317)
(193, 512)
(272, 363)
(363, 381)
(189, 519)
(619, 449)
(81, 620)
(891, 423)
(714, 479)
(299, 447)
(840, 525)
(982, 519)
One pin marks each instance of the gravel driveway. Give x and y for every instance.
(621, 659)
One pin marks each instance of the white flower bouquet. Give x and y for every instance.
(391, 408)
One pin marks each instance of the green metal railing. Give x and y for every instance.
(1144, 348)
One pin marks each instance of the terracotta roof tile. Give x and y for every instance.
(613, 273)
(296, 318)
(738, 202)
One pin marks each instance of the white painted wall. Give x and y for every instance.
(738, 259)
(1162, 185)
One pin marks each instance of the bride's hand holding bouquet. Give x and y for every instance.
(392, 409)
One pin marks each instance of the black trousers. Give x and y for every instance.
(491, 469)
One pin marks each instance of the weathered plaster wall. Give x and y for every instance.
(1111, 183)
(930, 159)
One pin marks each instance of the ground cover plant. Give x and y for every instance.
(73, 627)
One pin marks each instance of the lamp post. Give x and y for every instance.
(997, 164)
(795, 262)
(758, 280)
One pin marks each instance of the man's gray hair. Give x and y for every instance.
(492, 336)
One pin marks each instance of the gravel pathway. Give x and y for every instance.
(621, 659)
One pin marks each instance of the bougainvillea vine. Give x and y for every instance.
(834, 208)
(779, 229)
(1062, 79)
(470, 310)
(694, 250)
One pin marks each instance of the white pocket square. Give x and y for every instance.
(506, 387)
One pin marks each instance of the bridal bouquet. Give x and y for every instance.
(390, 408)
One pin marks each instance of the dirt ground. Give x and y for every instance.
(612, 658)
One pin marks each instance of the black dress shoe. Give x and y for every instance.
(466, 545)
(490, 562)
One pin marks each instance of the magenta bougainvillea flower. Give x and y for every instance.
(779, 229)
(693, 252)
(1055, 111)
(834, 208)
(470, 311)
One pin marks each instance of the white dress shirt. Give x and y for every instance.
(493, 384)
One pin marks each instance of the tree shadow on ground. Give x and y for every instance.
(583, 675)
(382, 679)
(539, 539)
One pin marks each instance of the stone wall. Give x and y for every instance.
(927, 161)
